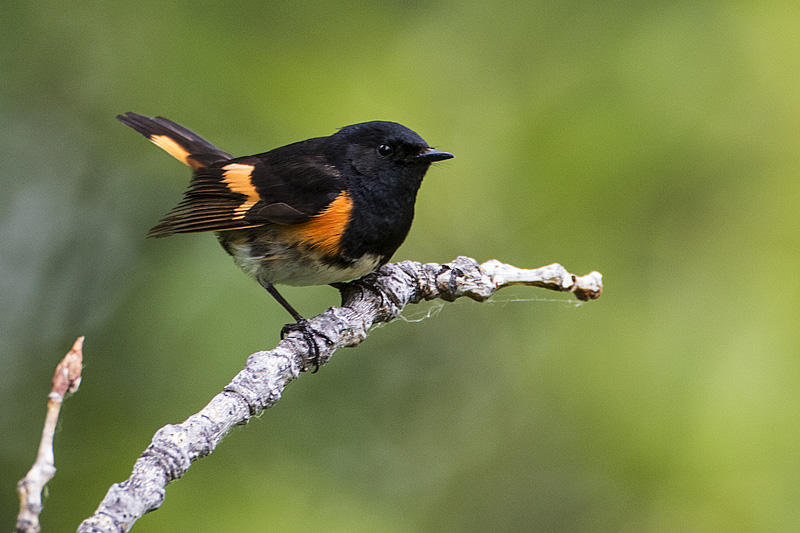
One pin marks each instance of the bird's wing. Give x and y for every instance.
(287, 186)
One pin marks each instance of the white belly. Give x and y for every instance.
(288, 266)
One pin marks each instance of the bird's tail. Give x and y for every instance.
(184, 145)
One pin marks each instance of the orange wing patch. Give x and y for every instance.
(242, 210)
(325, 230)
(237, 178)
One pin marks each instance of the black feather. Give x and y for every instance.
(200, 150)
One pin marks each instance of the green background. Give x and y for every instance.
(658, 143)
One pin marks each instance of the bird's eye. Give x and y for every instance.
(384, 150)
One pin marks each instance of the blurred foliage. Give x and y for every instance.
(655, 142)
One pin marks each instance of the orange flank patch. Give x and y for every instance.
(325, 230)
(237, 178)
(174, 149)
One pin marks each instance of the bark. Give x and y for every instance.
(378, 297)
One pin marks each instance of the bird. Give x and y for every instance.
(325, 210)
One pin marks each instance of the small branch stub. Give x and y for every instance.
(67, 378)
(554, 277)
(377, 297)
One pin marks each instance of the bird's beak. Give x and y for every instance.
(429, 155)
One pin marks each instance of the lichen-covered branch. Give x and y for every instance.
(67, 378)
(378, 297)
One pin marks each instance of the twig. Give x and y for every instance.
(379, 297)
(67, 378)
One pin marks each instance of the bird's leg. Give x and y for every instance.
(301, 325)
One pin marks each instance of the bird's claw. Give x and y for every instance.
(304, 327)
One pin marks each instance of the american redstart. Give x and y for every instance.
(321, 211)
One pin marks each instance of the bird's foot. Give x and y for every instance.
(304, 327)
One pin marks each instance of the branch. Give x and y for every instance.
(67, 378)
(378, 297)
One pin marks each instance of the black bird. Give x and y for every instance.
(321, 211)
